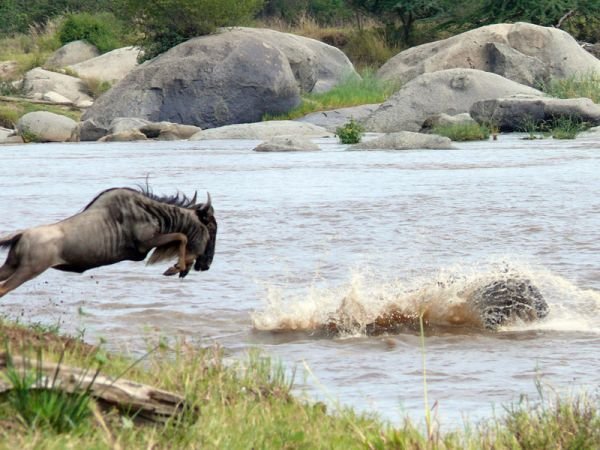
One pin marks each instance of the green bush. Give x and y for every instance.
(102, 30)
(162, 25)
(463, 131)
(350, 133)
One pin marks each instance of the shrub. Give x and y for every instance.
(102, 30)
(162, 25)
(350, 133)
(463, 131)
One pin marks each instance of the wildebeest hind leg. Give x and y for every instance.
(20, 276)
(6, 271)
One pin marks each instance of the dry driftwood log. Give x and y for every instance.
(145, 401)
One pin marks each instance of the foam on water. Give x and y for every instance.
(440, 298)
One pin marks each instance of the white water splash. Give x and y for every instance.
(441, 297)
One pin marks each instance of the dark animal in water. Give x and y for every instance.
(503, 301)
(496, 303)
(119, 224)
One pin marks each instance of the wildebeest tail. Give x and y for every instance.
(10, 240)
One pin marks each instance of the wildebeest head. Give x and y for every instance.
(206, 215)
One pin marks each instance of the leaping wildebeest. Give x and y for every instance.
(119, 224)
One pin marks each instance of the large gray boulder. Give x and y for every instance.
(44, 126)
(317, 67)
(405, 140)
(38, 82)
(451, 91)
(523, 52)
(518, 112)
(72, 53)
(335, 118)
(262, 131)
(112, 66)
(210, 81)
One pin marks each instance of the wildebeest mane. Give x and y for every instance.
(179, 199)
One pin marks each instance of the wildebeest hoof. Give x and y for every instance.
(171, 271)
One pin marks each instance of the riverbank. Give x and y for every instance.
(247, 404)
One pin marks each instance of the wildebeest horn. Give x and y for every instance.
(208, 203)
(193, 200)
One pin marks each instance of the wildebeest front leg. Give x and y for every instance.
(165, 239)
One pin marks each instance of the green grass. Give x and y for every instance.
(463, 131)
(248, 403)
(575, 87)
(351, 92)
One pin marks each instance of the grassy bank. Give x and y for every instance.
(248, 404)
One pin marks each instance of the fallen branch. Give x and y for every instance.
(145, 401)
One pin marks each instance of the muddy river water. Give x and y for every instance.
(302, 233)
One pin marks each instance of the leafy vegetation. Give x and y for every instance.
(350, 133)
(162, 25)
(463, 131)
(102, 30)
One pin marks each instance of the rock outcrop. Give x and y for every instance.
(316, 66)
(262, 131)
(522, 52)
(287, 144)
(405, 140)
(209, 81)
(518, 112)
(72, 53)
(112, 66)
(43, 126)
(335, 118)
(451, 91)
(39, 82)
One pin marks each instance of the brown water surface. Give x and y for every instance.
(302, 234)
